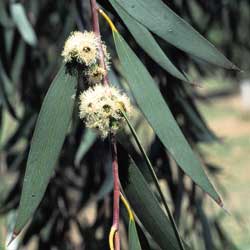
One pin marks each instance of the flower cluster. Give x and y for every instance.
(100, 108)
(81, 52)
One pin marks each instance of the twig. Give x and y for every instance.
(116, 209)
(96, 29)
(114, 238)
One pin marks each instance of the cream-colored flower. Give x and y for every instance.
(81, 47)
(95, 74)
(107, 56)
(100, 108)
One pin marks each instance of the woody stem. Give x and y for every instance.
(96, 28)
(116, 194)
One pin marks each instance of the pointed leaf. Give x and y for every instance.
(155, 179)
(145, 39)
(134, 243)
(23, 25)
(161, 20)
(155, 109)
(50, 131)
(145, 204)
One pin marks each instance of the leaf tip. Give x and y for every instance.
(196, 83)
(220, 202)
(12, 238)
(225, 209)
(222, 205)
(234, 67)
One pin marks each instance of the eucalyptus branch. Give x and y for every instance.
(155, 181)
(114, 233)
(96, 29)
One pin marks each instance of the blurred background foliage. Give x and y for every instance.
(76, 210)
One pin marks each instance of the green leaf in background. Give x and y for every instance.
(107, 185)
(161, 20)
(155, 109)
(145, 204)
(147, 42)
(198, 125)
(87, 141)
(134, 243)
(4, 18)
(23, 25)
(18, 62)
(6, 92)
(50, 131)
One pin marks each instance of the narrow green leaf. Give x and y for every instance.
(23, 25)
(155, 109)
(88, 140)
(155, 179)
(147, 42)
(18, 62)
(4, 18)
(134, 243)
(50, 131)
(161, 20)
(7, 92)
(145, 204)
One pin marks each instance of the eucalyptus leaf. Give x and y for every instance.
(161, 20)
(23, 25)
(7, 92)
(145, 39)
(50, 131)
(4, 18)
(155, 179)
(145, 204)
(18, 63)
(156, 111)
(134, 243)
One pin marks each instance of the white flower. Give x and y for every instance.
(95, 74)
(100, 108)
(81, 47)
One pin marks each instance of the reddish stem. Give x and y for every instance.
(116, 197)
(96, 28)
